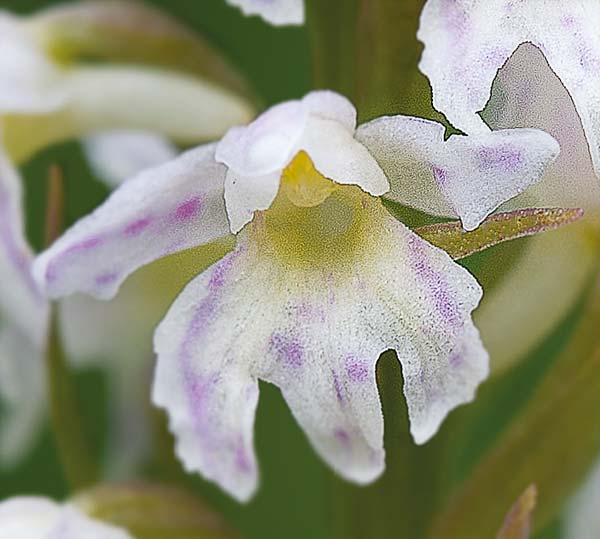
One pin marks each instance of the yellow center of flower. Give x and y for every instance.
(315, 223)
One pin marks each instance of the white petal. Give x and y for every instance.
(582, 520)
(22, 394)
(267, 144)
(29, 81)
(41, 518)
(316, 330)
(246, 194)
(467, 42)
(21, 302)
(276, 12)
(163, 210)
(117, 155)
(340, 157)
(329, 105)
(465, 176)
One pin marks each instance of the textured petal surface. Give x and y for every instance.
(163, 210)
(276, 12)
(118, 155)
(466, 43)
(465, 176)
(310, 308)
(340, 157)
(267, 144)
(329, 105)
(550, 274)
(29, 82)
(41, 518)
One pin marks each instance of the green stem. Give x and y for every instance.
(67, 424)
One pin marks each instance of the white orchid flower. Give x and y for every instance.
(528, 64)
(322, 281)
(29, 517)
(582, 520)
(276, 12)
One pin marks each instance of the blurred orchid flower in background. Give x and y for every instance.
(502, 65)
(300, 187)
(34, 85)
(276, 12)
(582, 520)
(29, 517)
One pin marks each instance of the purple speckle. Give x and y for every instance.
(440, 175)
(84, 245)
(337, 387)
(105, 278)
(456, 360)
(287, 348)
(504, 157)
(356, 369)
(137, 227)
(342, 436)
(242, 461)
(437, 286)
(188, 209)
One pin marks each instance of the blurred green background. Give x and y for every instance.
(299, 497)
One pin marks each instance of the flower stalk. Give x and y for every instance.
(67, 424)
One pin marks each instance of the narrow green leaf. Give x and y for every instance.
(517, 523)
(496, 229)
(553, 442)
(150, 511)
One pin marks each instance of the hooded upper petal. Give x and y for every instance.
(467, 42)
(115, 156)
(28, 517)
(162, 210)
(322, 124)
(310, 309)
(464, 176)
(277, 12)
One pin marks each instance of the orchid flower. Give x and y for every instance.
(322, 280)
(28, 517)
(276, 12)
(526, 70)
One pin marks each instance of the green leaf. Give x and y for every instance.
(496, 229)
(150, 511)
(553, 442)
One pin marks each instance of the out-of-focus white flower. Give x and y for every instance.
(276, 12)
(322, 280)
(40, 518)
(582, 520)
(523, 68)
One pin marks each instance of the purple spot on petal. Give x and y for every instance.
(288, 349)
(338, 388)
(84, 245)
(356, 369)
(440, 175)
(137, 227)
(106, 278)
(342, 436)
(445, 304)
(188, 209)
(456, 360)
(242, 459)
(504, 157)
